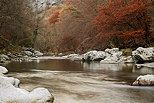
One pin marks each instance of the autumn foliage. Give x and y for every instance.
(68, 43)
(101, 24)
(124, 19)
(54, 17)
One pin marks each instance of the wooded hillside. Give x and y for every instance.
(76, 25)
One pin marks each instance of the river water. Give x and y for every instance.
(77, 82)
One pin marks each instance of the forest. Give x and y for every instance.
(75, 26)
(76, 51)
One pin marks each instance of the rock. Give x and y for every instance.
(146, 80)
(73, 57)
(10, 93)
(109, 56)
(41, 95)
(38, 53)
(124, 59)
(115, 56)
(28, 49)
(4, 57)
(60, 54)
(28, 53)
(108, 62)
(3, 70)
(142, 55)
(148, 65)
(15, 82)
(94, 56)
(113, 50)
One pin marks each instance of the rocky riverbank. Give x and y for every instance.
(27, 54)
(111, 56)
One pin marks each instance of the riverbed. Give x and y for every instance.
(78, 82)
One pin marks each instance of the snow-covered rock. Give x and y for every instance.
(124, 59)
(60, 54)
(115, 56)
(41, 95)
(32, 52)
(28, 49)
(14, 81)
(114, 60)
(109, 56)
(146, 80)
(148, 65)
(3, 70)
(28, 53)
(38, 53)
(110, 60)
(113, 51)
(4, 57)
(142, 55)
(73, 57)
(94, 56)
(11, 93)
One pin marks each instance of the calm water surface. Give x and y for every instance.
(77, 82)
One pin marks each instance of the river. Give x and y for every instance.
(77, 82)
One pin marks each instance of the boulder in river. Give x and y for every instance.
(3, 58)
(31, 52)
(127, 59)
(11, 93)
(109, 56)
(142, 55)
(73, 57)
(14, 81)
(94, 56)
(146, 80)
(148, 65)
(3, 70)
(110, 60)
(28, 53)
(114, 56)
(37, 53)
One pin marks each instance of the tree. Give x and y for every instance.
(68, 43)
(54, 18)
(126, 20)
(14, 22)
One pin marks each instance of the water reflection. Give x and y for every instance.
(127, 68)
(96, 66)
(53, 65)
(68, 65)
